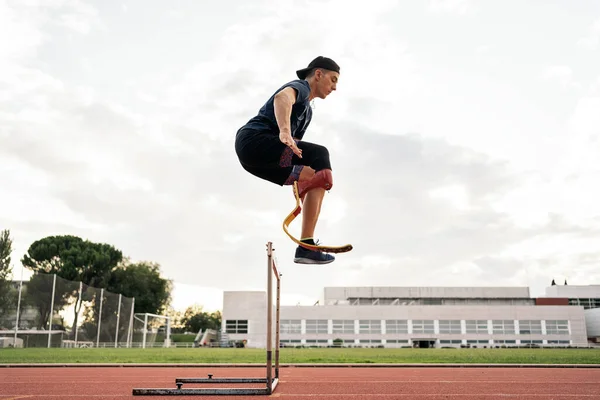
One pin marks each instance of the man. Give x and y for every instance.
(270, 146)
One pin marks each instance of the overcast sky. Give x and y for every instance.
(464, 138)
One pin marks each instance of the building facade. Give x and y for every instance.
(418, 317)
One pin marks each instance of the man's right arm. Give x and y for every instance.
(283, 102)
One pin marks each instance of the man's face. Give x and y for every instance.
(326, 82)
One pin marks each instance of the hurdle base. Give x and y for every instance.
(221, 380)
(211, 391)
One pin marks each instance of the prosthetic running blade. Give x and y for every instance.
(291, 216)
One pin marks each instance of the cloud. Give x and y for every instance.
(459, 7)
(396, 195)
(483, 49)
(592, 39)
(145, 161)
(563, 74)
(183, 293)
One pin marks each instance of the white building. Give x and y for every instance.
(422, 317)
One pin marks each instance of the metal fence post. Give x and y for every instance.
(18, 310)
(100, 318)
(130, 329)
(51, 311)
(145, 327)
(118, 317)
(78, 301)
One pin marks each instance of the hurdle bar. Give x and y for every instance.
(271, 380)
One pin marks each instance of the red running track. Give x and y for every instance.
(431, 383)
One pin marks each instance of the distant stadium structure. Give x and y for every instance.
(424, 317)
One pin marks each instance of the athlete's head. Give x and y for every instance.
(322, 74)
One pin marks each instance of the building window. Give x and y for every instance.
(396, 326)
(477, 326)
(477, 341)
(557, 327)
(290, 326)
(450, 326)
(236, 326)
(343, 326)
(290, 342)
(506, 327)
(586, 303)
(422, 326)
(316, 326)
(370, 326)
(527, 327)
(450, 341)
(370, 341)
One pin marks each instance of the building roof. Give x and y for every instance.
(380, 292)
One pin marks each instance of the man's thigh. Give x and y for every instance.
(275, 174)
(314, 155)
(258, 149)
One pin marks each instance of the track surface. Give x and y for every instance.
(310, 383)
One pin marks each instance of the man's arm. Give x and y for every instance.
(283, 102)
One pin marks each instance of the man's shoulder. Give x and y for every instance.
(298, 83)
(302, 88)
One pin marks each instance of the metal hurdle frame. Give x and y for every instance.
(270, 380)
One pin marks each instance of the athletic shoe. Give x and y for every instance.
(306, 256)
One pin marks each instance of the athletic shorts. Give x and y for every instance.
(263, 155)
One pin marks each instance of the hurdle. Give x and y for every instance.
(270, 380)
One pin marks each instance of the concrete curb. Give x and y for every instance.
(259, 365)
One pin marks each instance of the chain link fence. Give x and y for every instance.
(49, 311)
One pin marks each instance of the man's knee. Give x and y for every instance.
(322, 179)
(326, 179)
(315, 156)
(322, 152)
(321, 159)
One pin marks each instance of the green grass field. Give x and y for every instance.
(297, 356)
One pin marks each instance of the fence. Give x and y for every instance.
(49, 311)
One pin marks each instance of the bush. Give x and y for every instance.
(182, 338)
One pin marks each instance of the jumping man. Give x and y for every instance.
(270, 146)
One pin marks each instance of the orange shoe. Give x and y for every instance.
(323, 179)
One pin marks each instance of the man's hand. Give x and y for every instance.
(286, 138)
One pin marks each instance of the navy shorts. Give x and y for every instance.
(263, 155)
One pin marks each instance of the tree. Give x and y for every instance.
(195, 319)
(176, 317)
(8, 294)
(74, 259)
(37, 293)
(5, 253)
(143, 281)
